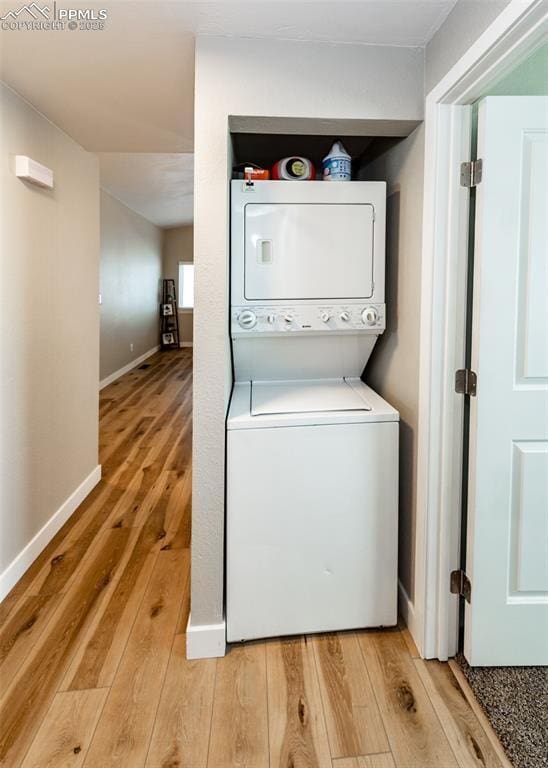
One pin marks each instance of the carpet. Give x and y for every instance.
(515, 700)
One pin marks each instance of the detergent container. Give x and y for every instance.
(337, 164)
(293, 169)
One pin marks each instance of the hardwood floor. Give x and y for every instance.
(93, 671)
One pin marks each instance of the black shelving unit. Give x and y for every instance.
(169, 317)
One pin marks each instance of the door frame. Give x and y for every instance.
(433, 616)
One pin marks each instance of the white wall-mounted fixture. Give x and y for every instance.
(28, 169)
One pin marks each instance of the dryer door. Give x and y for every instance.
(292, 249)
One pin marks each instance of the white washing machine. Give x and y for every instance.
(312, 452)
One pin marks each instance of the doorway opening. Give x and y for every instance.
(517, 34)
(146, 236)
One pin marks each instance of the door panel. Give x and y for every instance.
(506, 622)
(290, 250)
(311, 529)
(529, 535)
(533, 277)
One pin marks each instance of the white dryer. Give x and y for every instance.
(312, 452)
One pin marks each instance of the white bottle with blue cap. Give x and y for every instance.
(337, 164)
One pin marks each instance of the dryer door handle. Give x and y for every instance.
(264, 251)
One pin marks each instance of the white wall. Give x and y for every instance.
(267, 79)
(49, 322)
(393, 369)
(131, 270)
(466, 22)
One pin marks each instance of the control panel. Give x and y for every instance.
(316, 319)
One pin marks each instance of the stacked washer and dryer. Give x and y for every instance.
(312, 451)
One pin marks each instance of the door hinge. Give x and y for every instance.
(461, 585)
(466, 382)
(470, 173)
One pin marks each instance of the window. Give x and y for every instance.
(186, 285)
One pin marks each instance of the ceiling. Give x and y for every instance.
(129, 88)
(374, 22)
(158, 186)
(126, 88)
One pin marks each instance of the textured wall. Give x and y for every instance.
(131, 270)
(49, 320)
(393, 369)
(268, 79)
(466, 22)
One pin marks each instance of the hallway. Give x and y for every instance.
(98, 612)
(92, 646)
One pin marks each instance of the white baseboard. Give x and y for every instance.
(185, 344)
(205, 641)
(25, 558)
(127, 368)
(407, 612)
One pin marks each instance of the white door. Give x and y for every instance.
(308, 251)
(506, 622)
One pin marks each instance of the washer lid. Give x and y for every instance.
(311, 396)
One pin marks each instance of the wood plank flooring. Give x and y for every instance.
(93, 671)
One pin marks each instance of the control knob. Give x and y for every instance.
(288, 318)
(370, 316)
(345, 317)
(247, 319)
(271, 319)
(325, 317)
